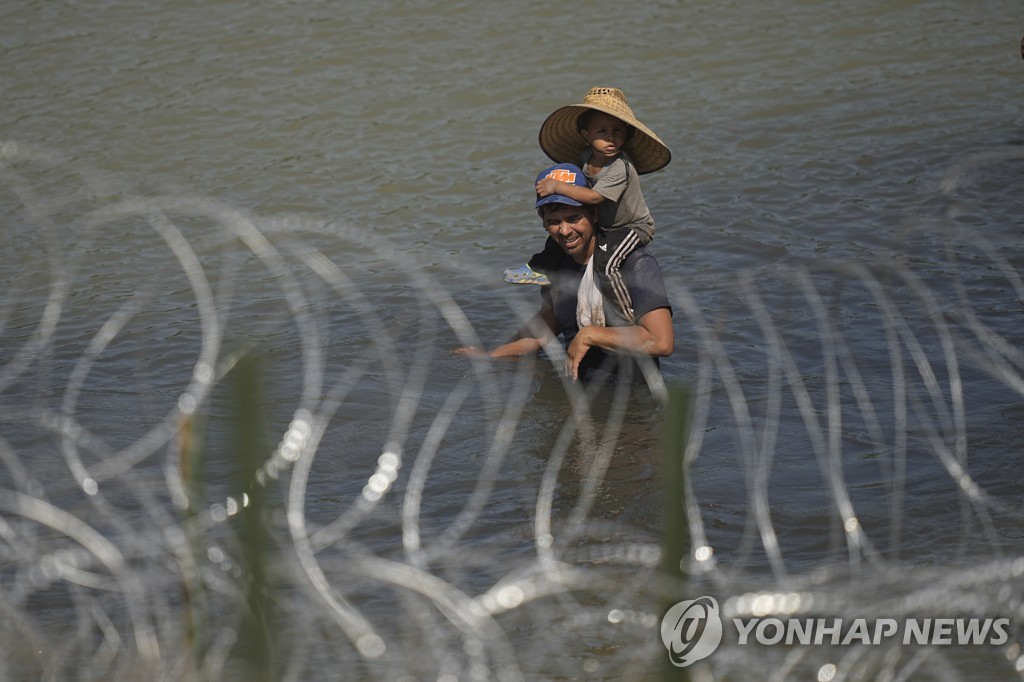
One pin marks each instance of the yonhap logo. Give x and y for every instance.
(691, 630)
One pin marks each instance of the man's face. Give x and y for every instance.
(572, 227)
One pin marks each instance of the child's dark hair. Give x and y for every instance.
(583, 121)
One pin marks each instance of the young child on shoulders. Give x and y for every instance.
(604, 138)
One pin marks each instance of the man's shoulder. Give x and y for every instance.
(641, 268)
(645, 281)
(640, 257)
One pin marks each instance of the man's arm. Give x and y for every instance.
(530, 338)
(652, 335)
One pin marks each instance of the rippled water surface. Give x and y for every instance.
(335, 188)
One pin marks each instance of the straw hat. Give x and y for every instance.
(561, 140)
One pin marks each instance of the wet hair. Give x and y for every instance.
(583, 121)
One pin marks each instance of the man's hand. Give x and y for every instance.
(652, 335)
(581, 343)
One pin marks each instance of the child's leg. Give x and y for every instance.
(546, 260)
(612, 248)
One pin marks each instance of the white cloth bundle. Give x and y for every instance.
(589, 301)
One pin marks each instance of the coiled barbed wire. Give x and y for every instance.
(124, 540)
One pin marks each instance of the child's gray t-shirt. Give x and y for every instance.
(624, 204)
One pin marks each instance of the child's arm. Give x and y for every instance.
(584, 195)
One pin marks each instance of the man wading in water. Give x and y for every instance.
(598, 336)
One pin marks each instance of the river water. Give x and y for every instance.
(333, 189)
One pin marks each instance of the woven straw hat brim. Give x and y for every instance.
(560, 140)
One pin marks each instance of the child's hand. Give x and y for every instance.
(547, 186)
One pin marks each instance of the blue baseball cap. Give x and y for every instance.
(564, 172)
